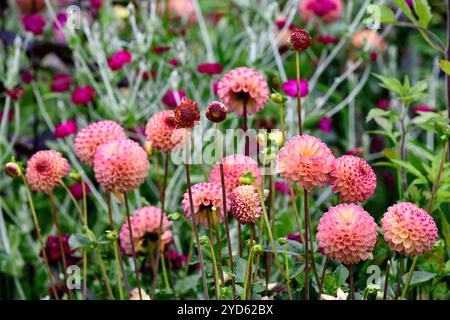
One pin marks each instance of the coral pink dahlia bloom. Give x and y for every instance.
(306, 160)
(347, 233)
(120, 165)
(354, 178)
(90, 138)
(45, 169)
(243, 85)
(160, 131)
(245, 204)
(206, 197)
(409, 229)
(234, 167)
(145, 226)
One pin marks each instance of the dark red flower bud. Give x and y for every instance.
(186, 115)
(300, 39)
(216, 112)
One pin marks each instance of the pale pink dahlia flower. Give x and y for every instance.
(45, 169)
(120, 165)
(409, 229)
(145, 227)
(326, 10)
(242, 85)
(347, 233)
(306, 160)
(354, 178)
(161, 132)
(90, 138)
(245, 204)
(206, 198)
(234, 167)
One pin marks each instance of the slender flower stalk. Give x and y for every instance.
(164, 270)
(219, 248)
(438, 178)
(213, 258)
(85, 256)
(386, 280)
(296, 213)
(399, 277)
(408, 279)
(286, 262)
(306, 211)
(322, 279)
(299, 99)
(352, 283)
(248, 271)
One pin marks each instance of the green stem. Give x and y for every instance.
(164, 270)
(299, 100)
(214, 263)
(104, 274)
(286, 261)
(399, 277)
(408, 279)
(438, 178)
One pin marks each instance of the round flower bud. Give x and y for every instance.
(12, 169)
(216, 112)
(300, 39)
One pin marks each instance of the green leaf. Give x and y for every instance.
(391, 83)
(341, 274)
(445, 66)
(423, 11)
(386, 14)
(409, 168)
(418, 278)
(406, 9)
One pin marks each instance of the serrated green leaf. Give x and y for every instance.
(423, 11)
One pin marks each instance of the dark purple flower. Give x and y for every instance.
(53, 251)
(326, 39)
(26, 77)
(215, 86)
(423, 108)
(96, 4)
(65, 129)
(82, 95)
(61, 20)
(160, 49)
(295, 237)
(210, 68)
(77, 190)
(176, 260)
(16, 93)
(174, 62)
(119, 59)
(172, 98)
(325, 124)
(60, 83)
(34, 23)
(383, 104)
(282, 187)
(280, 23)
(410, 3)
(290, 88)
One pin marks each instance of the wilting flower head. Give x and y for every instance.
(186, 115)
(245, 205)
(120, 165)
(53, 250)
(207, 197)
(216, 112)
(90, 138)
(300, 39)
(119, 59)
(234, 167)
(325, 124)
(82, 95)
(210, 68)
(347, 233)
(408, 229)
(160, 131)
(290, 87)
(171, 98)
(60, 82)
(327, 10)
(354, 178)
(370, 39)
(45, 169)
(243, 86)
(77, 190)
(306, 160)
(145, 227)
(65, 129)
(34, 23)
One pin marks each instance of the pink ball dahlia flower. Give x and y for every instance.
(206, 197)
(45, 169)
(242, 85)
(306, 160)
(120, 165)
(408, 229)
(347, 233)
(354, 178)
(90, 138)
(160, 131)
(245, 204)
(145, 226)
(326, 10)
(234, 167)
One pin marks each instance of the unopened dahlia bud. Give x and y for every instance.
(174, 216)
(216, 112)
(257, 249)
(203, 240)
(247, 178)
(300, 39)
(251, 243)
(278, 98)
(186, 115)
(282, 241)
(74, 175)
(12, 169)
(112, 235)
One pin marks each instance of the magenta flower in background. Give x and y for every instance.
(282, 187)
(65, 129)
(96, 4)
(423, 108)
(325, 124)
(294, 236)
(82, 95)
(383, 104)
(410, 3)
(77, 190)
(210, 68)
(160, 49)
(326, 39)
(119, 59)
(16, 93)
(61, 20)
(290, 87)
(170, 99)
(177, 260)
(53, 250)
(174, 62)
(280, 23)
(215, 86)
(60, 82)
(34, 23)
(26, 77)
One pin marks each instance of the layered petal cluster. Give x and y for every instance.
(353, 178)
(90, 138)
(120, 165)
(347, 233)
(243, 86)
(161, 132)
(245, 204)
(408, 229)
(306, 160)
(45, 169)
(145, 228)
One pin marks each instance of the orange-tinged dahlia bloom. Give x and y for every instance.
(45, 169)
(90, 138)
(353, 178)
(369, 38)
(120, 165)
(234, 167)
(408, 229)
(145, 227)
(243, 85)
(306, 160)
(206, 197)
(245, 204)
(347, 233)
(161, 132)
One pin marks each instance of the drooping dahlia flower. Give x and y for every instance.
(234, 167)
(347, 233)
(326, 10)
(186, 115)
(120, 165)
(245, 204)
(353, 178)
(90, 138)
(408, 229)
(206, 197)
(145, 226)
(160, 131)
(306, 160)
(369, 38)
(45, 169)
(243, 85)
